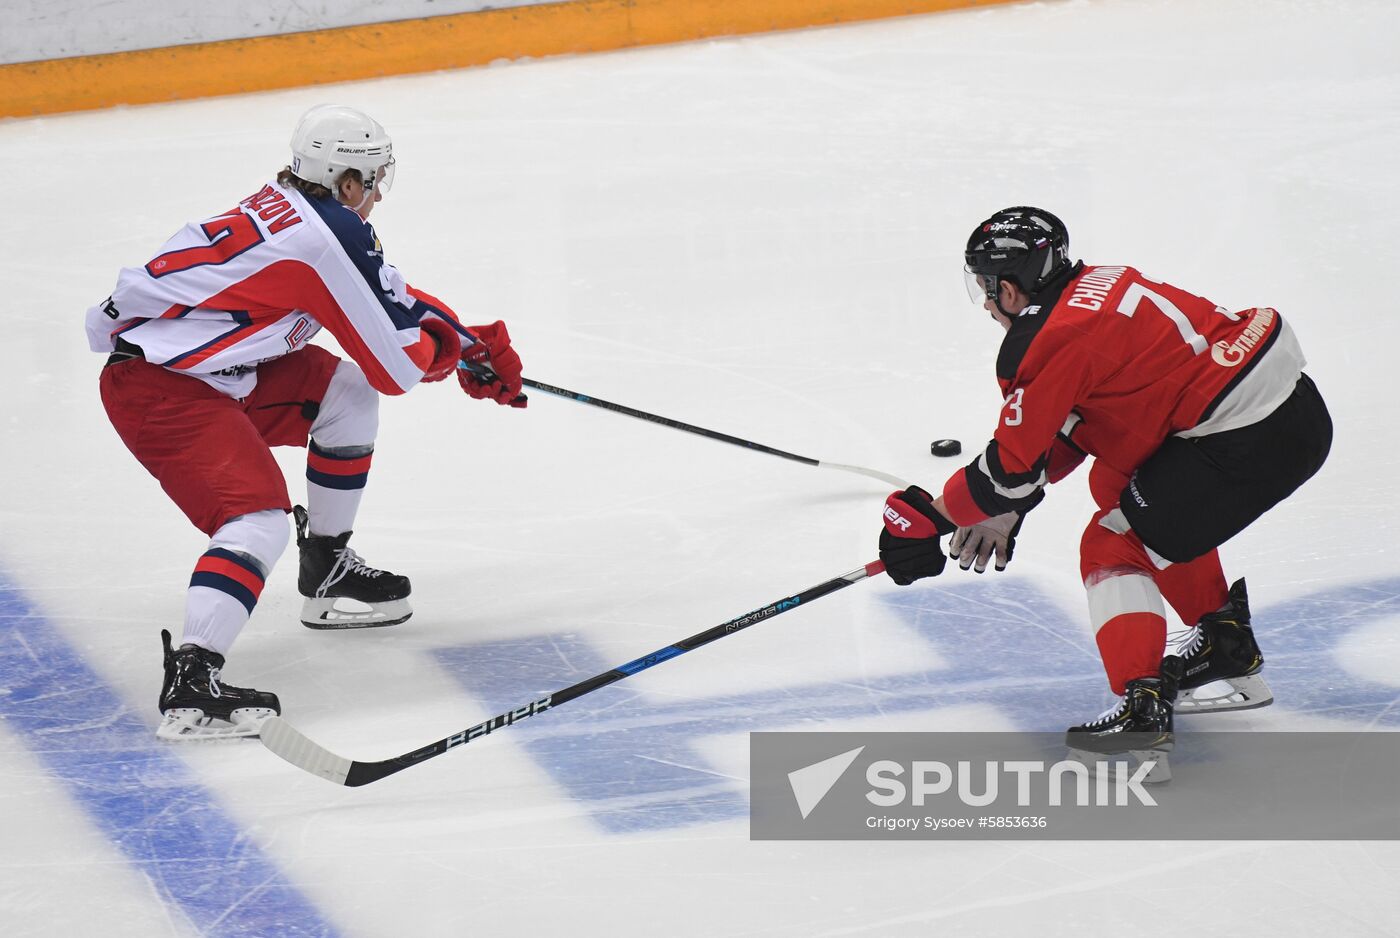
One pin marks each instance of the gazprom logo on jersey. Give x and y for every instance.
(1231, 354)
(1029, 786)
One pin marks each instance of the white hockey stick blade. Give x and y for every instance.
(896, 481)
(288, 742)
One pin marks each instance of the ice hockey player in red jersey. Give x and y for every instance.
(1199, 420)
(209, 366)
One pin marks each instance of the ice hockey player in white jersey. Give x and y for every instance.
(209, 366)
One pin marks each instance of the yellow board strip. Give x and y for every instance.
(418, 45)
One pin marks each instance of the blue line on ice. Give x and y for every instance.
(136, 790)
(632, 764)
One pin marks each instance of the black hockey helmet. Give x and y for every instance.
(1026, 245)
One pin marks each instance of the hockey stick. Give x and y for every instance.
(292, 745)
(488, 375)
(712, 434)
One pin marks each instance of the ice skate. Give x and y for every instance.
(196, 702)
(1138, 728)
(1223, 661)
(341, 590)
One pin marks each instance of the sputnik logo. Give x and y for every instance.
(811, 784)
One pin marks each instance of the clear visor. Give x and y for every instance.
(980, 287)
(383, 177)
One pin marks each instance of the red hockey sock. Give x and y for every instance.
(1194, 588)
(1131, 646)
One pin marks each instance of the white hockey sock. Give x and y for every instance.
(340, 450)
(213, 618)
(330, 511)
(229, 577)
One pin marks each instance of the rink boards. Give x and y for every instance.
(407, 46)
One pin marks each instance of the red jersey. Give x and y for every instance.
(1115, 363)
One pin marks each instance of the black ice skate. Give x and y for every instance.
(341, 590)
(194, 696)
(1139, 726)
(1223, 661)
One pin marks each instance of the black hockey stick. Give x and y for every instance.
(488, 375)
(712, 434)
(288, 742)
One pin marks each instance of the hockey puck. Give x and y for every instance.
(945, 447)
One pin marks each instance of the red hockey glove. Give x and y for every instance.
(909, 543)
(491, 368)
(449, 348)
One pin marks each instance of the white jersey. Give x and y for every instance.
(259, 281)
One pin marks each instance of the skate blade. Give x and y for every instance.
(190, 723)
(1235, 693)
(1126, 763)
(323, 614)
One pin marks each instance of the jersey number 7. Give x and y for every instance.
(229, 235)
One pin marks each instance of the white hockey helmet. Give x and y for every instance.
(331, 138)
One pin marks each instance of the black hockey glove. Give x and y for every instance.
(909, 543)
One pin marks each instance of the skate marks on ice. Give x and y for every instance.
(633, 764)
(630, 762)
(136, 790)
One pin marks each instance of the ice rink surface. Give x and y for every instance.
(758, 235)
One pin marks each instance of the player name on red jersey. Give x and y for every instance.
(1093, 288)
